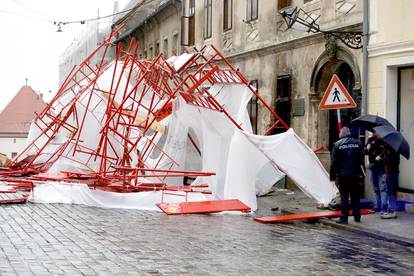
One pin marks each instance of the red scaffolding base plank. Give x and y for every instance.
(7, 189)
(203, 207)
(14, 200)
(303, 216)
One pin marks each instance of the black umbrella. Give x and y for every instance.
(394, 139)
(368, 122)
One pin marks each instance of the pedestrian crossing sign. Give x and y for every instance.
(336, 96)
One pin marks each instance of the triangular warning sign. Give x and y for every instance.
(336, 96)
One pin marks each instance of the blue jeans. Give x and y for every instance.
(389, 184)
(392, 185)
(379, 190)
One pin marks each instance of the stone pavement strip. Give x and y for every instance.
(58, 239)
(399, 230)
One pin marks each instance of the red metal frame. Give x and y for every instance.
(130, 114)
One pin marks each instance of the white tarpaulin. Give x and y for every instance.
(251, 154)
(195, 138)
(74, 193)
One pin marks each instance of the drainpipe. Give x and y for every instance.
(365, 27)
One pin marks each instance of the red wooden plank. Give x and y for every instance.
(7, 189)
(203, 207)
(14, 200)
(303, 216)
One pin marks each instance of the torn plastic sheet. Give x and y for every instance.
(250, 153)
(74, 193)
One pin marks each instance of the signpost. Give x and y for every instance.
(336, 97)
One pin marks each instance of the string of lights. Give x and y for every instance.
(59, 24)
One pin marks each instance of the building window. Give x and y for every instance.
(306, 1)
(207, 18)
(14, 140)
(252, 10)
(283, 100)
(157, 48)
(281, 4)
(151, 52)
(165, 47)
(13, 155)
(252, 107)
(175, 45)
(188, 23)
(227, 15)
(145, 53)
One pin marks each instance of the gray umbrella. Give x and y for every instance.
(394, 139)
(368, 122)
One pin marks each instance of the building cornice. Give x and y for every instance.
(390, 48)
(14, 134)
(268, 47)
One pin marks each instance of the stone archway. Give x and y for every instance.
(323, 124)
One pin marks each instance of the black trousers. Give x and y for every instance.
(348, 187)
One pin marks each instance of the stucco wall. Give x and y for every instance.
(391, 45)
(7, 145)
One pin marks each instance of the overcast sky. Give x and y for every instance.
(30, 46)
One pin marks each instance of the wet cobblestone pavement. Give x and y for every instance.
(54, 239)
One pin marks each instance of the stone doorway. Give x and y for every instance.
(325, 125)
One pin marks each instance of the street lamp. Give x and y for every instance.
(301, 20)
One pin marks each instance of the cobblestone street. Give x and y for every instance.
(44, 239)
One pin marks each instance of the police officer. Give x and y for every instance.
(346, 167)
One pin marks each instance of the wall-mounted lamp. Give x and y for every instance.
(300, 20)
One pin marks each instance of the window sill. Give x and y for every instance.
(284, 9)
(251, 21)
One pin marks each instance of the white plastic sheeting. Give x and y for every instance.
(251, 156)
(197, 138)
(74, 193)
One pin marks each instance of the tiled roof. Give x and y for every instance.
(19, 113)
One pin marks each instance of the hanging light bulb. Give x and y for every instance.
(59, 30)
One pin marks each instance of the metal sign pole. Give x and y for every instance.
(338, 114)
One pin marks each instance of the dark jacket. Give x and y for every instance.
(391, 161)
(346, 158)
(377, 149)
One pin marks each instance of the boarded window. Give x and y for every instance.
(188, 23)
(175, 45)
(252, 10)
(207, 18)
(281, 4)
(283, 100)
(165, 47)
(157, 48)
(227, 14)
(252, 107)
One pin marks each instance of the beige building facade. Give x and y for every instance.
(156, 26)
(391, 72)
(290, 67)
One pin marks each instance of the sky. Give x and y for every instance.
(30, 46)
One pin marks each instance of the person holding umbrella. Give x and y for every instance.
(374, 148)
(389, 182)
(395, 145)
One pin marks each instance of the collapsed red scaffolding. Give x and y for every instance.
(157, 81)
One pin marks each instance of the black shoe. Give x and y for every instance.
(342, 221)
(357, 220)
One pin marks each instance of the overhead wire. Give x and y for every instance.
(59, 23)
(31, 9)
